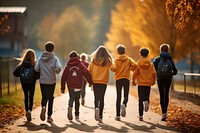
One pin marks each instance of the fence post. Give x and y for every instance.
(0, 80)
(8, 79)
(184, 83)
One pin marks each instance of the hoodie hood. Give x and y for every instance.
(165, 55)
(144, 63)
(122, 58)
(46, 56)
(73, 61)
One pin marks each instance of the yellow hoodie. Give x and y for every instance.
(99, 74)
(123, 66)
(145, 73)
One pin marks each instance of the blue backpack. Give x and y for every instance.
(165, 69)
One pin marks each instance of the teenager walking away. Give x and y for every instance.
(73, 75)
(83, 58)
(165, 69)
(48, 65)
(99, 67)
(25, 70)
(123, 66)
(145, 75)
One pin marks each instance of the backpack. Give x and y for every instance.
(165, 69)
(27, 74)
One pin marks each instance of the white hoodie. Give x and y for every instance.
(48, 65)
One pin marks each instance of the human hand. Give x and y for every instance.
(62, 91)
(133, 83)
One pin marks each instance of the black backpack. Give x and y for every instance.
(165, 69)
(27, 74)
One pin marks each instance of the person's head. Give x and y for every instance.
(164, 48)
(73, 54)
(121, 49)
(83, 56)
(144, 52)
(49, 46)
(101, 54)
(28, 55)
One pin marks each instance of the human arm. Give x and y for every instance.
(133, 64)
(63, 80)
(58, 66)
(134, 77)
(174, 68)
(16, 71)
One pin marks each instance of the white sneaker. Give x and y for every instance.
(28, 116)
(164, 117)
(42, 114)
(117, 118)
(69, 114)
(96, 114)
(123, 110)
(140, 118)
(100, 120)
(146, 106)
(77, 117)
(49, 119)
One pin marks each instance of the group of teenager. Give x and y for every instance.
(78, 71)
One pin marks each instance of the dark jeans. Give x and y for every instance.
(121, 83)
(143, 94)
(164, 86)
(47, 96)
(99, 93)
(29, 90)
(74, 96)
(83, 89)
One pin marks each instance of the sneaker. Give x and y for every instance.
(49, 119)
(123, 110)
(69, 114)
(42, 114)
(164, 117)
(100, 120)
(77, 117)
(28, 116)
(96, 114)
(117, 118)
(140, 118)
(146, 106)
(83, 102)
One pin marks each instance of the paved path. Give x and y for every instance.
(87, 123)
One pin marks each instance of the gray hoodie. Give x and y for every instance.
(48, 65)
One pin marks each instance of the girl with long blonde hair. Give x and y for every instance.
(99, 67)
(27, 59)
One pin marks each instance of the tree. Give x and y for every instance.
(70, 31)
(183, 12)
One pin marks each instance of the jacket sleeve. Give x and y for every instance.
(113, 67)
(153, 74)
(63, 79)
(133, 64)
(155, 62)
(174, 68)
(16, 71)
(135, 74)
(87, 75)
(58, 66)
(37, 66)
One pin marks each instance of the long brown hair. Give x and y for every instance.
(27, 54)
(102, 55)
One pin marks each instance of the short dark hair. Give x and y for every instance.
(49, 46)
(164, 48)
(73, 54)
(121, 49)
(144, 52)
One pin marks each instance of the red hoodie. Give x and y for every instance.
(74, 73)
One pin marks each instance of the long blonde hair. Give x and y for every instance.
(102, 55)
(27, 54)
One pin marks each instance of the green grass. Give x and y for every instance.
(189, 88)
(17, 97)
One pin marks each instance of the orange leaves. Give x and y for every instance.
(183, 11)
(8, 113)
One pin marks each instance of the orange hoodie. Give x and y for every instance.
(123, 66)
(99, 74)
(145, 73)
